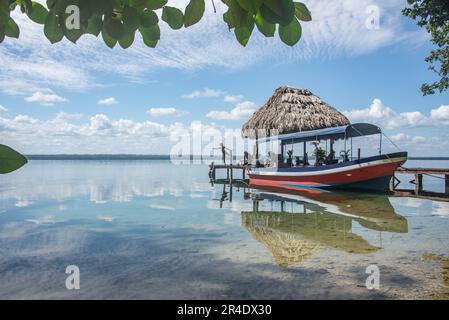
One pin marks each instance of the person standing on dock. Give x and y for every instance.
(223, 151)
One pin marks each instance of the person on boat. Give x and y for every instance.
(290, 158)
(267, 161)
(330, 159)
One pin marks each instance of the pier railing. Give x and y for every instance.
(419, 190)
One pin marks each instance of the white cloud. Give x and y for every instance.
(73, 133)
(3, 109)
(205, 93)
(158, 112)
(241, 111)
(46, 98)
(233, 98)
(108, 101)
(405, 138)
(386, 117)
(24, 119)
(68, 116)
(418, 145)
(440, 114)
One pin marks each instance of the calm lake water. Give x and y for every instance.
(153, 230)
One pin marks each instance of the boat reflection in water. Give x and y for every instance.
(293, 226)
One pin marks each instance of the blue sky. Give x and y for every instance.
(86, 98)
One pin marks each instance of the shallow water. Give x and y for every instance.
(149, 229)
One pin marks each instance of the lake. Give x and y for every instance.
(153, 230)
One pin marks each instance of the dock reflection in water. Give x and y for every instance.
(294, 226)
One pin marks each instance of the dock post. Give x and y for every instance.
(446, 184)
(418, 184)
(244, 173)
(227, 173)
(255, 206)
(232, 174)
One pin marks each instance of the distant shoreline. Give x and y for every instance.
(96, 157)
(145, 157)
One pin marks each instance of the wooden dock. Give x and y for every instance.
(419, 190)
(229, 168)
(418, 173)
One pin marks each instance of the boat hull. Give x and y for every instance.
(372, 173)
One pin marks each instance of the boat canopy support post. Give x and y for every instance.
(257, 147)
(331, 143)
(305, 152)
(351, 149)
(380, 145)
(345, 145)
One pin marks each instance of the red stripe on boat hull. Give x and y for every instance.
(359, 176)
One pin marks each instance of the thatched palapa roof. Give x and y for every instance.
(292, 110)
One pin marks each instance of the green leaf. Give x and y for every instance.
(173, 16)
(156, 4)
(52, 29)
(102, 7)
(88, 8)
(291, 33)
(268, 14)
(10, 160)
(4, 13)
(148, 19)
(73, 34)
(94, 25)
(151, 35)
(282, 11)
(115, 28)
(38, 13)
(250, 5)
(243, 33)
(131, 18)
(26, 6)
(266, 28)
(12, 30)
(51, 4)
(2, 33)
(108, 40)
(236, 16)
(127, 40)
(194, 12)
(301, 12)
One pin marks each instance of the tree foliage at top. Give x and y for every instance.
(118, 21)
(434, 16)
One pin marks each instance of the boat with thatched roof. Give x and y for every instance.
(296, 116)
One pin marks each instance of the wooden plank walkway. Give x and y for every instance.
(419, 191)
(229, 171)
(423, 171)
